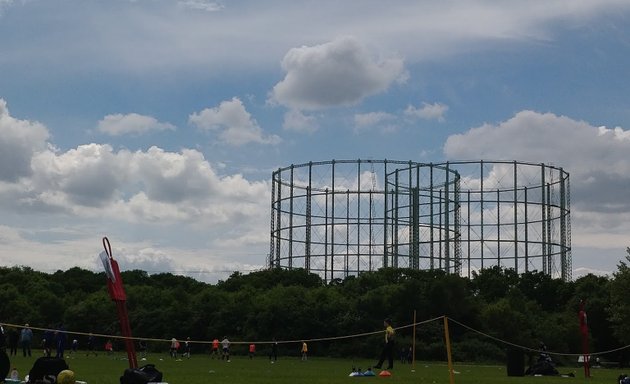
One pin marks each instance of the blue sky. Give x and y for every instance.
(158, 123)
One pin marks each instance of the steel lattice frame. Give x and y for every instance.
(342, 217)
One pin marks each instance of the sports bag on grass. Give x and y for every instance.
(141, 375)
(46, 369)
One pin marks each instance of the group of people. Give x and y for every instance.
(175, 346)
(14, 338)
(57, 339)
(224, 352)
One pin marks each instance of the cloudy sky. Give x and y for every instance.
(158, 123)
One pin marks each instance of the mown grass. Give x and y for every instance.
(201, 369)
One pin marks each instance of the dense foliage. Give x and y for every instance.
(294, 305)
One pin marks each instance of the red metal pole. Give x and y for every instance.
(125, 328)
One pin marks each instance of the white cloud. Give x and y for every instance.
(201, 5)
(435, 111)
(131, 123)
(95, 181)
(19, 141)
(548, 138)
(235, 125)
(295, 120)
(339, 73)
(371, 118)
(383, 120)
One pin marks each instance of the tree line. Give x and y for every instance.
(523, 309)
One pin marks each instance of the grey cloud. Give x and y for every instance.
(19, 141)
(89, 175)
(339, 73)
(173, 178)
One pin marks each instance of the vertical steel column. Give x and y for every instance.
(309, 217)
(272, 224)
(526, 220)
(326, 239)
(458, 221)
(418, 215)
(291, 220)
(549, 234)
(431, 223)
(569, 261)
(347, 261)
(386, 226)
(279, 219)
(370, 235)
(447, 223)
(515, 208)
(440, 232)
(410, 212)
(385, 223)
(415, 227)
(481, 199)
(333, 252)
(543, 213)
(498, 227)
(563, 227)
(396, 221)
(469, 226)
(359, 197)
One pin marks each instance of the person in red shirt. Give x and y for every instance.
(109, 348)
(215, 348)
(252, 350)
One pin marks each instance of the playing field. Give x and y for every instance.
(241, 370)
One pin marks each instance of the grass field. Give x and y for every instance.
(241, 370)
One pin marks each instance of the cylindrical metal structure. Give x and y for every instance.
(342, 217)
(514, 215)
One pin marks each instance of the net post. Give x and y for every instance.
(447, 339)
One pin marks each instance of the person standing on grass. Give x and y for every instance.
(174, 346)
(91, 345)
(304, 351)
(252, 350)
(225, 344)
(12, 338)
(215, 349)
(273, 355)
(187, 348)
(26, 338)
(388, 347)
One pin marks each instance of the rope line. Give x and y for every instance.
(330, 338)
(533, 349)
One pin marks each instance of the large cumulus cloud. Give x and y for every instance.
(19, 140)
(338, 73)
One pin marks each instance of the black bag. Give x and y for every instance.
(46, 369)
(141, 375)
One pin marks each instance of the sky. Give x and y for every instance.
(158, 123)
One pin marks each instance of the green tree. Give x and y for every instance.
(619, 308)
